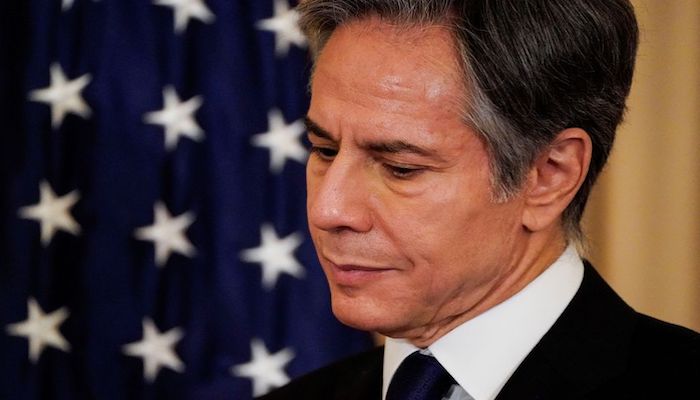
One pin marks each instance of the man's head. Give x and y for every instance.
(454, 141)
(531, 68)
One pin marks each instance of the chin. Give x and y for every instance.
(362, 313)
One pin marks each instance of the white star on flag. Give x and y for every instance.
(167, 233)
(156, 349)
(177, 118)
(275, 256)
(285, 25)
(264, 369)
(52, 212)
(186, 9)
(41, 329)
(282, 140)
(63, 96)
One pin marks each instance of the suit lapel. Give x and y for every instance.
(362, 381)
(586, 347)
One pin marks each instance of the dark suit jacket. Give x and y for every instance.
(599, 348)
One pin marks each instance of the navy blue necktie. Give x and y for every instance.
(419, 377)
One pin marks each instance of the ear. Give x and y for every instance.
(555, 177)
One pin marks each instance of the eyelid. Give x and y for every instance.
(318, 151)
(402, 171)
(321, 142)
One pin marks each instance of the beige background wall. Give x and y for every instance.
(644, 218)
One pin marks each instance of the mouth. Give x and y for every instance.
(345, 274)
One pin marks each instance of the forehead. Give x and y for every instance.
(385, 59)
(376, 82)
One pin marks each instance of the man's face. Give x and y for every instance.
(399, 195)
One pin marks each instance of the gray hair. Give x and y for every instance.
(531, 68)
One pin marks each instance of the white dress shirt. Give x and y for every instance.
(482, 353)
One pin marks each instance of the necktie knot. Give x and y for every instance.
(419, 377)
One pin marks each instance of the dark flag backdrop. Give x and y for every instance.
(153, 240)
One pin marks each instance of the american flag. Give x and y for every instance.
(153, 239)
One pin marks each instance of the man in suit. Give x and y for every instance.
(454, 145)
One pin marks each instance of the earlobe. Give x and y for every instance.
(555, 177)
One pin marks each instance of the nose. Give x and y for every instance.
(338, 198)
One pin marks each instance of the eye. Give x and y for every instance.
(324, 153)
(402, 171)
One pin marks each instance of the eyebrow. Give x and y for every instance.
(316, 130)
(390, 147)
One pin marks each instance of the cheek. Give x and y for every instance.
(445, 215)
(454, 235)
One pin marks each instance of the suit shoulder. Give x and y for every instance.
(663, 362)
(653, 326)
(319, 384)
(661, 342)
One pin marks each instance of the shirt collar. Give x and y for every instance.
(482, 353)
